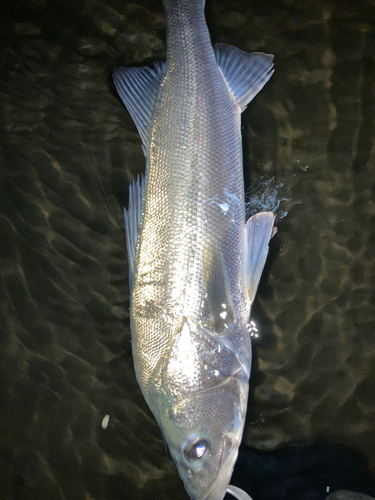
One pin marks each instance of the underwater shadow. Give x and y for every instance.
(308, 472)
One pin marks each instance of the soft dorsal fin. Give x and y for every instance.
(258, 232)
(138, 88)
(217, 288)
(245, 74)
(133, 221)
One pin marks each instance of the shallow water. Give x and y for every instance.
(69, 150)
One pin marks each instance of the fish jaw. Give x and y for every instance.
(218, 488)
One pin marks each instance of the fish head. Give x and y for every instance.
(204, 436)
(202, 418)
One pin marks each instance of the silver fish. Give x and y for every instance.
(194, 262)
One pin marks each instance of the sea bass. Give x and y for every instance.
(194, 261)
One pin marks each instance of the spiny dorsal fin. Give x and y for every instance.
(245, 74)
(258, 232)
(216, 284)
(133, 221)
(138, 88)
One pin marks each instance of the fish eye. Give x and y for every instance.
(195, 448)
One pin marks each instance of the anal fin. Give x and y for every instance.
(245, 74)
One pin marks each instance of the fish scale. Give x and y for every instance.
(197, 262)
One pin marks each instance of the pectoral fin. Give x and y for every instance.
(245, 74)
(133, 221)
(216, 283)
(138, 88)
(258, 232)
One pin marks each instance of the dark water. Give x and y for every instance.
(68, 151)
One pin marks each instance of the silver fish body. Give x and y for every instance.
(190, 246)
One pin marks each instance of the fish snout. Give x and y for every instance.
(218, 488)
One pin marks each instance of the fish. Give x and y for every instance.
(194, 261)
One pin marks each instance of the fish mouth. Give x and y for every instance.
(218, 488)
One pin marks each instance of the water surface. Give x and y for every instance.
(69, 149)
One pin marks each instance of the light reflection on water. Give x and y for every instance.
(66, 351)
